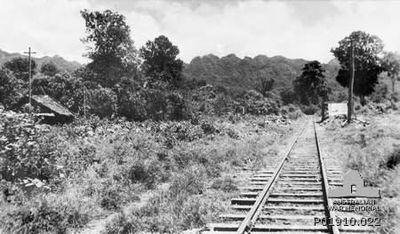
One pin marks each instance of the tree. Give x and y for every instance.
(49, 69)
(10, 88)
(130, 102)
(20, 67)
(112, 53)
(309, 84)
(161, 62)
(265, 85)
(102, 102)
(367, 49)
(391, 64)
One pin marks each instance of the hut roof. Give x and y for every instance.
(51, 104)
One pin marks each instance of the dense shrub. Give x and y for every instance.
(11, 88)
(380, 94)
(179, 208)
(177, 108)
(22, 154)
(208, 128)
(191, 181)
(42, 216)
(102, 102)
(291, 112)
(288, 96)
(123, 224)
(153, 104)
(223, 105)
(309, 110)
(394, 159)
(110, 164)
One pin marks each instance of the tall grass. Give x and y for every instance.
(373, 151)
(96, 168)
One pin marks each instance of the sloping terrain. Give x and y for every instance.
(60, 62)
(246, 73)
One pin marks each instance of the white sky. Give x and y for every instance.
(294, 29)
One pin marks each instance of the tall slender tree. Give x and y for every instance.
(307, 85)
(112, 52)
(311, 86)
(367, 49)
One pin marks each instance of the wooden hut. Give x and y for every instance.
(49, 110)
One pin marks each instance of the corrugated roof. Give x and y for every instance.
(51, 104)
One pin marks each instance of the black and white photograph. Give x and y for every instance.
(200, 116)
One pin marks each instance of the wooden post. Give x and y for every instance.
(30, 75)
(351, 84)
(84, 101)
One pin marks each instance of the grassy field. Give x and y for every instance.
(120, 177)
(372, 149)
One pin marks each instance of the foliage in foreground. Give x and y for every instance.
(92, 168)
(373, 150)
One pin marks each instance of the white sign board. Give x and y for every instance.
(335, 109)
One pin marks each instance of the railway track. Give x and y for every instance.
(289, 197)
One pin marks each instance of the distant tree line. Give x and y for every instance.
(118, 80)
(148, 83)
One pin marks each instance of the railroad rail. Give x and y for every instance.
(289, 199)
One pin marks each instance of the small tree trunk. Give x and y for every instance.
(351, 84)
(392, 98)
(323, 109)
(363, 101)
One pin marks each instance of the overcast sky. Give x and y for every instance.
(294, 29)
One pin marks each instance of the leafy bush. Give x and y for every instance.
(309, 110)
(191, 181)
(10, 86)
(22, 154)
(42, 216)
(223, 105)
(153, 104)
(177, 108)
(49, 69)
(102, 102)
(132, 107)
(255, 104)
(288, 96)
(291, 111)
(208, 128)
(123, 224)
(394, 159)
(381, 93)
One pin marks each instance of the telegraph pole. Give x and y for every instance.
(84, 101)
(351, 83)
(30, 75)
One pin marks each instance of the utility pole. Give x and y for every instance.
(84, 101)
(351, 83)
(30, 75)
